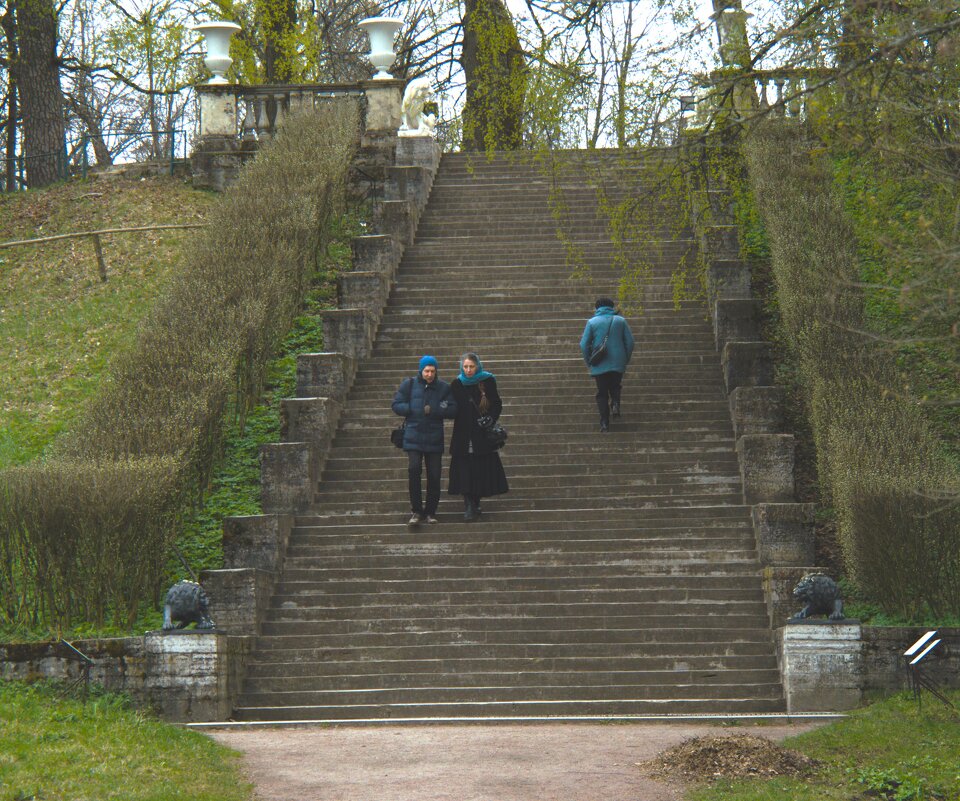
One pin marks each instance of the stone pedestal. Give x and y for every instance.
(218, 110)
(383, 105)
(194, 676)
(784, 533)
(409, 183)
(821, 666)
(216, 161)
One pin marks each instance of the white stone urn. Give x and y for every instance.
(217, 35)
(381, 31)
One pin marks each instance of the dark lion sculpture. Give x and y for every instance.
(820, 595)
(186, 603)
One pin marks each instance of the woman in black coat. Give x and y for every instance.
(475, 468)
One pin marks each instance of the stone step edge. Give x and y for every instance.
(533, 719)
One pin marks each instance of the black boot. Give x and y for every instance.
(604, 426)
(615, 401)
(476, 505)
(469, 509)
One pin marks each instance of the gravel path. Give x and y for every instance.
(544, 762)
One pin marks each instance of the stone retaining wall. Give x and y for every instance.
(181, 676)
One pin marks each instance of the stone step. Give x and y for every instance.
(718, 684)
(744, 703)
(277, 676)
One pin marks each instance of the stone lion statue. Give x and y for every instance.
(820, 595)
(418, 93)
(186, 603)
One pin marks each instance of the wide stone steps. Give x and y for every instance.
(619, 577)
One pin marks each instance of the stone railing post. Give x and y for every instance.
(821, 665)
(215, 160)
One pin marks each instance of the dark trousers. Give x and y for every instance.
(608, 391)
(415, 461)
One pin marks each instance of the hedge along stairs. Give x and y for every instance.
(620, 575)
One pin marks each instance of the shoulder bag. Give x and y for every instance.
(494, 434)
(599, 353)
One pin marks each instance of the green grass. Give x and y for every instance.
(56, 748)
(59, 323)
(891, 750)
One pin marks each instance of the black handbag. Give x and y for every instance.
(599, 353)
(396, 436)
(494, 434)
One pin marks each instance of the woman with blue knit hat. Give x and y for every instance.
(475, 468)
(425, 402)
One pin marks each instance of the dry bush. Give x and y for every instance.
(82, 538)
(203, 346)
(879, 462)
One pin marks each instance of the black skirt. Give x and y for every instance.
(480, 475)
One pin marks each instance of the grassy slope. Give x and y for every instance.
(58, 322)
(61, 749)
(890, 750)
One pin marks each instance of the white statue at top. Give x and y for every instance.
(415, 123)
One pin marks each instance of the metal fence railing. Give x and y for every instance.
(73, 159)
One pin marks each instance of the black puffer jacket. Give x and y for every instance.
(424, 432)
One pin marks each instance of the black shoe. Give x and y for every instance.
(470, 511)
(604, 426)
(615, 409)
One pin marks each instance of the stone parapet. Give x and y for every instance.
(382, 111)
(766, 468)
(747, 364)
(885, 668)
(348, 331)
(784, 533)
(324, 375)
(398, 218)
(419, 151)
(727, 279)
(312, 420)
(821, 665)
(184, 676)
(720, 241)
(363, 290)
(377, 253)
(288, 477)
(756, 410)
(238, 598)
(778, 584)
(736, 321)
(409, 183)
(216, 161)
(258, 541)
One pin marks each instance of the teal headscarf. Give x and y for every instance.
(477, 377)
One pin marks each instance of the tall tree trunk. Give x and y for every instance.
(37, 75)
(279, 20)
(10, 168)
(495, 74)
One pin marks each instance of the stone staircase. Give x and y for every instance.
(618, 578)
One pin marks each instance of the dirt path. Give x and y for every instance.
(549, 762)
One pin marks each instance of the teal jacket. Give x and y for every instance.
(619, 343)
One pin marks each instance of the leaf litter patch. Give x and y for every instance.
(734, 757)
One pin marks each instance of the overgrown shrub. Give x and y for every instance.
(204, 344)
(879, 462)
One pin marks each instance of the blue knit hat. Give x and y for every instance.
(427, 361)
